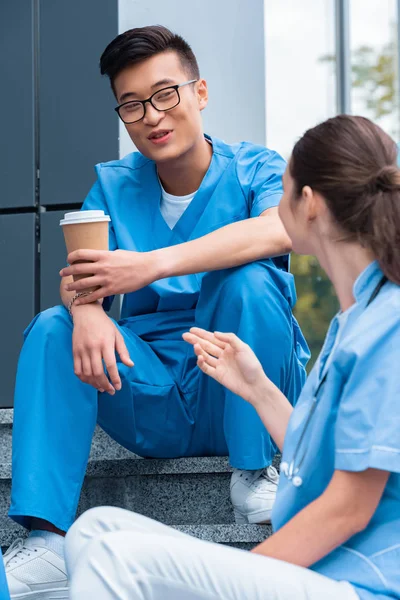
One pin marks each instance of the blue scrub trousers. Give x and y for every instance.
(4, 595)
(167, 407)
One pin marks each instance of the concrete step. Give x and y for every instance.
(241, 536)
(186, 492)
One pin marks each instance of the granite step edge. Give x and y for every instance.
(127, 467)
(221, 534)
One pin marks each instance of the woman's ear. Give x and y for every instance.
(202, 93)
(310, 202)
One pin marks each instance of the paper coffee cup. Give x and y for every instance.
(85, 230)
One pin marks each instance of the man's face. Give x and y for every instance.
(181, 127)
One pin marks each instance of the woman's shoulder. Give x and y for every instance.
(376, 332)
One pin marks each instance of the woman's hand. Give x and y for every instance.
(118, 272)
(229, 361)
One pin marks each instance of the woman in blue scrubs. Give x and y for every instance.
(337, 516)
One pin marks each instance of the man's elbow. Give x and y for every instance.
(285, 243)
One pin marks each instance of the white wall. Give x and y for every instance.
(227, 37)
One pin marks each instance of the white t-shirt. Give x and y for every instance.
(173, 207)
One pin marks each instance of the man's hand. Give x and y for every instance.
(95, 340)
(118, 272)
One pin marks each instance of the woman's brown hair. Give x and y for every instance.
(352, 163)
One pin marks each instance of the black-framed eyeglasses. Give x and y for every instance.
(165, 99)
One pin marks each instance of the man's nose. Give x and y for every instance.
(152, 116)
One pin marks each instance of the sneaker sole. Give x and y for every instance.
(257, 518)
(55, 594)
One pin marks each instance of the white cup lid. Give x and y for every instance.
(84, 216)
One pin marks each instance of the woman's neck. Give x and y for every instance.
(343, 262)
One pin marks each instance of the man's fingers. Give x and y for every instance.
(123, 350)
(78, 269)
(86, 365)
(112, 369)
(99, 380)
(92, 297)
(77, 366)
(207, 335)
(86, 255)
(83, 284)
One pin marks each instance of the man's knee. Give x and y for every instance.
(246, 285)
(53, 320)
(50, 329)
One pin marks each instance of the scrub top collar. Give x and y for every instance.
(366, 282)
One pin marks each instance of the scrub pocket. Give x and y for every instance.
(163, 423)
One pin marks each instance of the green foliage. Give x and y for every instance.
(375, 77)
(317, 302)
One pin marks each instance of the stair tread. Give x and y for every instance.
(230, 533)
(126, 467)
(109, 459)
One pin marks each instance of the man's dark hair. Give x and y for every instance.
(137, 44)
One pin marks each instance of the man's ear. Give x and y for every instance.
(202, 93)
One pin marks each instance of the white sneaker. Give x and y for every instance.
(253, 494)
(35, 572)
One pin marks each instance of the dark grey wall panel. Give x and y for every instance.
(53, 258)
(17, 164)
(17, 266)
(78, 126)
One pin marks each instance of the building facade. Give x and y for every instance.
(274, 68)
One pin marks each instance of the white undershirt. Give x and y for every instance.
(173, 207)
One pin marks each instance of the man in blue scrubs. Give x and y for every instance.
(188, 246)
(3, 583)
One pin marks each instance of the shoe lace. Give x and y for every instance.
(269, 474)
(17, 553)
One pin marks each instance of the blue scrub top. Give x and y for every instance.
(355, 426)
(4, 595)
(242, 181)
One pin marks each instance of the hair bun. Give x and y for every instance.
(387, 178)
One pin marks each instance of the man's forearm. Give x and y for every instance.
(233, 245)
(66, 296)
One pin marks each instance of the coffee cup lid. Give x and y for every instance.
(84, 216)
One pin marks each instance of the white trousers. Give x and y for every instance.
(113, 554)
